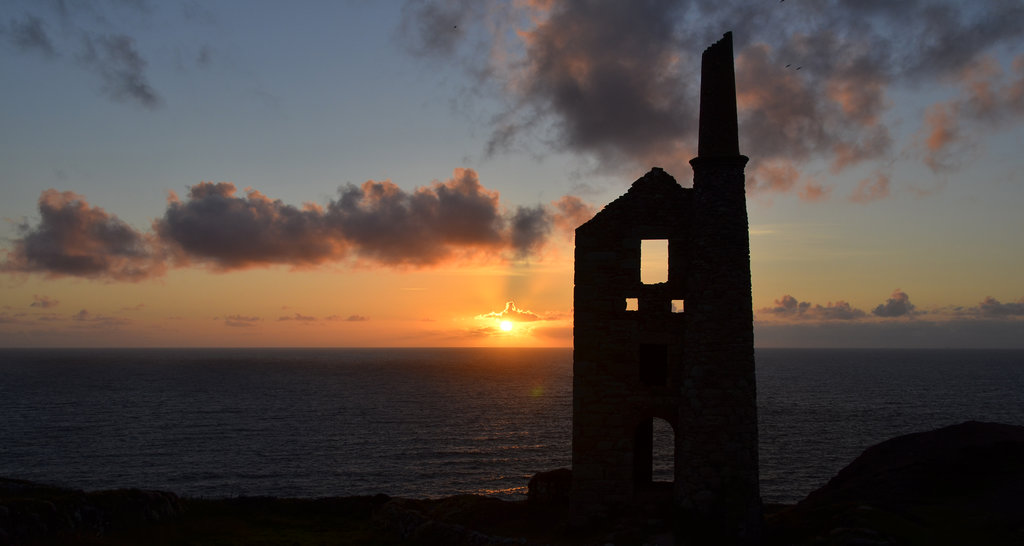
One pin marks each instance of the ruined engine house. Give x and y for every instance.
(681, 349)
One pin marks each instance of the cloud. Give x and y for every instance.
(898, 305)
(28, 34)
(215, 226)
(76, 239)
(241, 321)
(84, 316)
(117, 62)
(570, 212)
(511, 312)
(989, 98)
(991, 307)
(43, 302)
(356, 318)
(788, 307)
(298, 317)
(388, 225)
(871, 189)
(374, 224)
(616, 81)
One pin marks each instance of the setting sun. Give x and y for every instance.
(506, 326)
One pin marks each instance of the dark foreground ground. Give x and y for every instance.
(962, 484)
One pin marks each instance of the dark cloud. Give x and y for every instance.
(27, 34)
(606, 75)
(617, 80)
(898, 305)
(529, 228)
(788, 307)
(43, 302)
(511, 312)
(376, 223)
(215, 226)
(117, 62)
(991, 307)
(388, 225)
(75, 239)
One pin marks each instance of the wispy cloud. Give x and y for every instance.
(116, 60)
(241, 321)
(28, 34)
(43, 302)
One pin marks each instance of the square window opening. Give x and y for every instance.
(678, 306)
(653, 364)
(632, 304)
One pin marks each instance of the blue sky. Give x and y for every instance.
(884, 143)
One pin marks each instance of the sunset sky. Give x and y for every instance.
(248, 173)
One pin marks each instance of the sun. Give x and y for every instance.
(506, 326)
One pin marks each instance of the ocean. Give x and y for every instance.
(434, 422)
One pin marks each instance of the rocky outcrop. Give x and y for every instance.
(31, 513)
(550, 488)
(962, 484)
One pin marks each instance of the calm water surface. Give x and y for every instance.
(432, 422)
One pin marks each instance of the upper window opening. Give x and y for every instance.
(653, 261)
(632, 304)
(678, 306)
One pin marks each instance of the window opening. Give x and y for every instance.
(653, 364)
(678, 306)
(653, 261)
(632, 304)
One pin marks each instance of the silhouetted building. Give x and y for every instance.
(681, 350)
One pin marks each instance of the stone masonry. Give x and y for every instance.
(694, 369)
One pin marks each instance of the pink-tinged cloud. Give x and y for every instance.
(898, 305)
(989, 98)
(570, 212)
(777, 176)
(511, 312)
(814, 192)
(43, 302)
(870, 189)
(73, 238)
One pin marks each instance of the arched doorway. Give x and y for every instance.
(654, 453)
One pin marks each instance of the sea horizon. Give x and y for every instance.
(429, 422)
